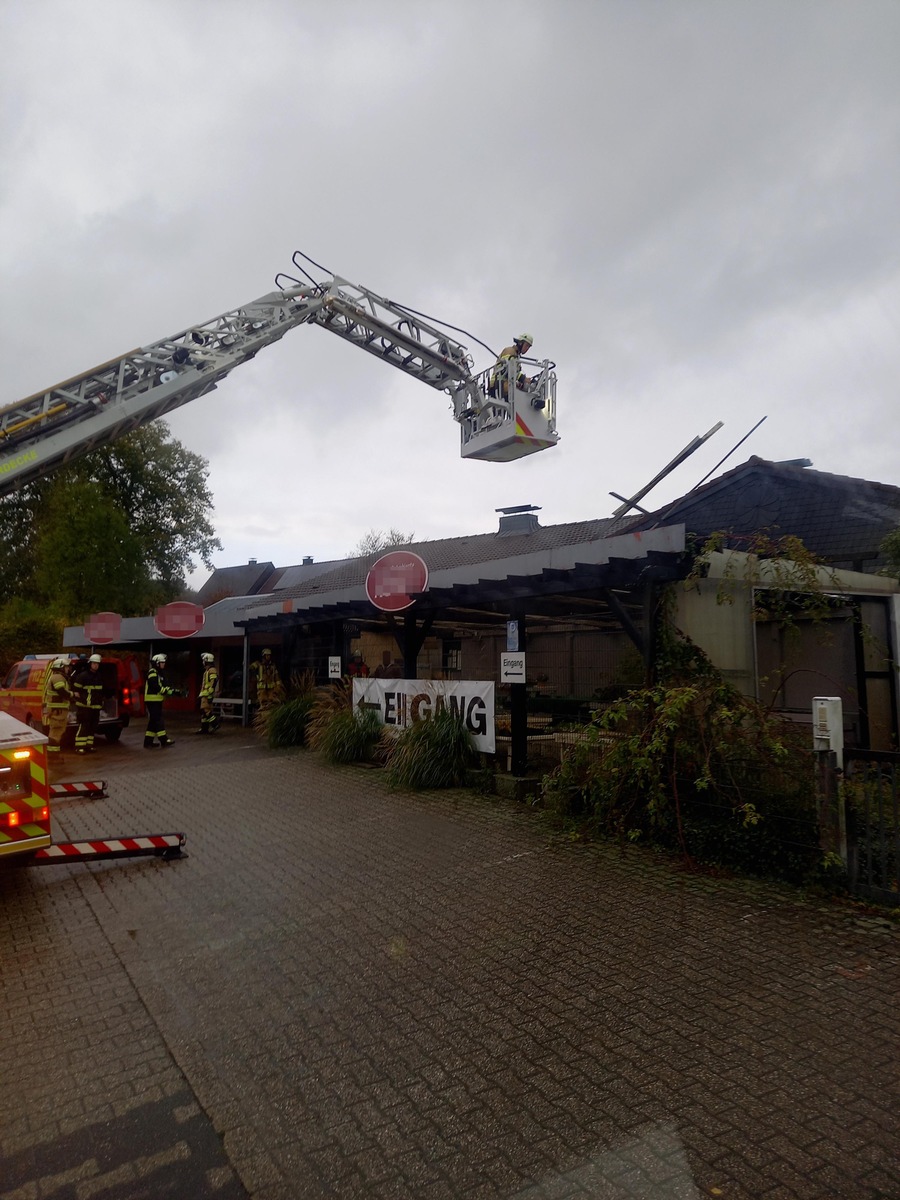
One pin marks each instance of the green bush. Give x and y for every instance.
(433, 753)
(328, 701)
(697, 767)
(350, 736)
(285, 724)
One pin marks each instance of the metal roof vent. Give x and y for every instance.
(307, 560)
(520, 518)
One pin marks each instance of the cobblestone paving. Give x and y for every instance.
(348, 992)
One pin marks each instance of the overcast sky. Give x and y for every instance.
(693, 205)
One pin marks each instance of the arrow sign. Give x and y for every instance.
(512, 667)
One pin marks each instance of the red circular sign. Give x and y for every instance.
(102, 628)
(394, 581)
(180, 619)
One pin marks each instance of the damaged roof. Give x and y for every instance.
(840, 519)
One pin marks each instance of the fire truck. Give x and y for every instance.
(499, 420)
(503, 413)
(26, 795)
(24, 788)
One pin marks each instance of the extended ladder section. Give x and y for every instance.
(49, 429)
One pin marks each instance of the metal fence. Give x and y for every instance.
(872, 791)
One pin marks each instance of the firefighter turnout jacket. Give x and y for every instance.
(210, 684)
(88, 688)
(57, 693)
(156, 687)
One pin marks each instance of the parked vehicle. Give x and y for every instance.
(22, 692)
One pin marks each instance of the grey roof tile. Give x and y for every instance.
(445, 554)
(841, 519)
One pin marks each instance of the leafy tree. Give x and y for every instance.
(377, 540)
(79, 571)
(18, 519)
(890, 548)
(118, 529)
(24, 627)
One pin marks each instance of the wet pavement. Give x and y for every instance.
(344, 991)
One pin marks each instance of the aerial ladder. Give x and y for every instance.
(499, 420)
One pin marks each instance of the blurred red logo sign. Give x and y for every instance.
(102, 628)
(180, 619)
(394, 581)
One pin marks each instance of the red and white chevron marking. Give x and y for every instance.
(85, 788)
(126, 847)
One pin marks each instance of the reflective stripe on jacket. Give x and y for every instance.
(156, 687)
(56, 690)
(88, 689)
(210, 684)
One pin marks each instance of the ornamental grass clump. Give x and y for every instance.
(350, 736)
(285, 724)
(343, 734)
(433, 753)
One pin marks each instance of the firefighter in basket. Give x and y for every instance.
(498, 384)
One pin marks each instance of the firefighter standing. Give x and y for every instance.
(56, 702)
(88, 688)
(155, 691)
(209, 718)
(268, 683)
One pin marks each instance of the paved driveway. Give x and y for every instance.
(344, 992)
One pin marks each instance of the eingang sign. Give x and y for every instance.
(401, 702)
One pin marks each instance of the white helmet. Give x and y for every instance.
(207, 657)
(95, 658)
(159, 659)
(60, 663)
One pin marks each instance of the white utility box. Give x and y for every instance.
(828, 726)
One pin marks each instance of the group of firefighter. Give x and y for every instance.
(79, 684)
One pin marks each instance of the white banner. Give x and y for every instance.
(400, 702)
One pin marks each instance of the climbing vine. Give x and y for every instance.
(788, 581)
(692, 764)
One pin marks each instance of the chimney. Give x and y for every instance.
(307, 560)
(520, 518)
(252, 562)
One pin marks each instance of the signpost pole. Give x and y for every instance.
(518, 708)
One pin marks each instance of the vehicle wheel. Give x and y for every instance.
(113, 735)
(34, 723)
